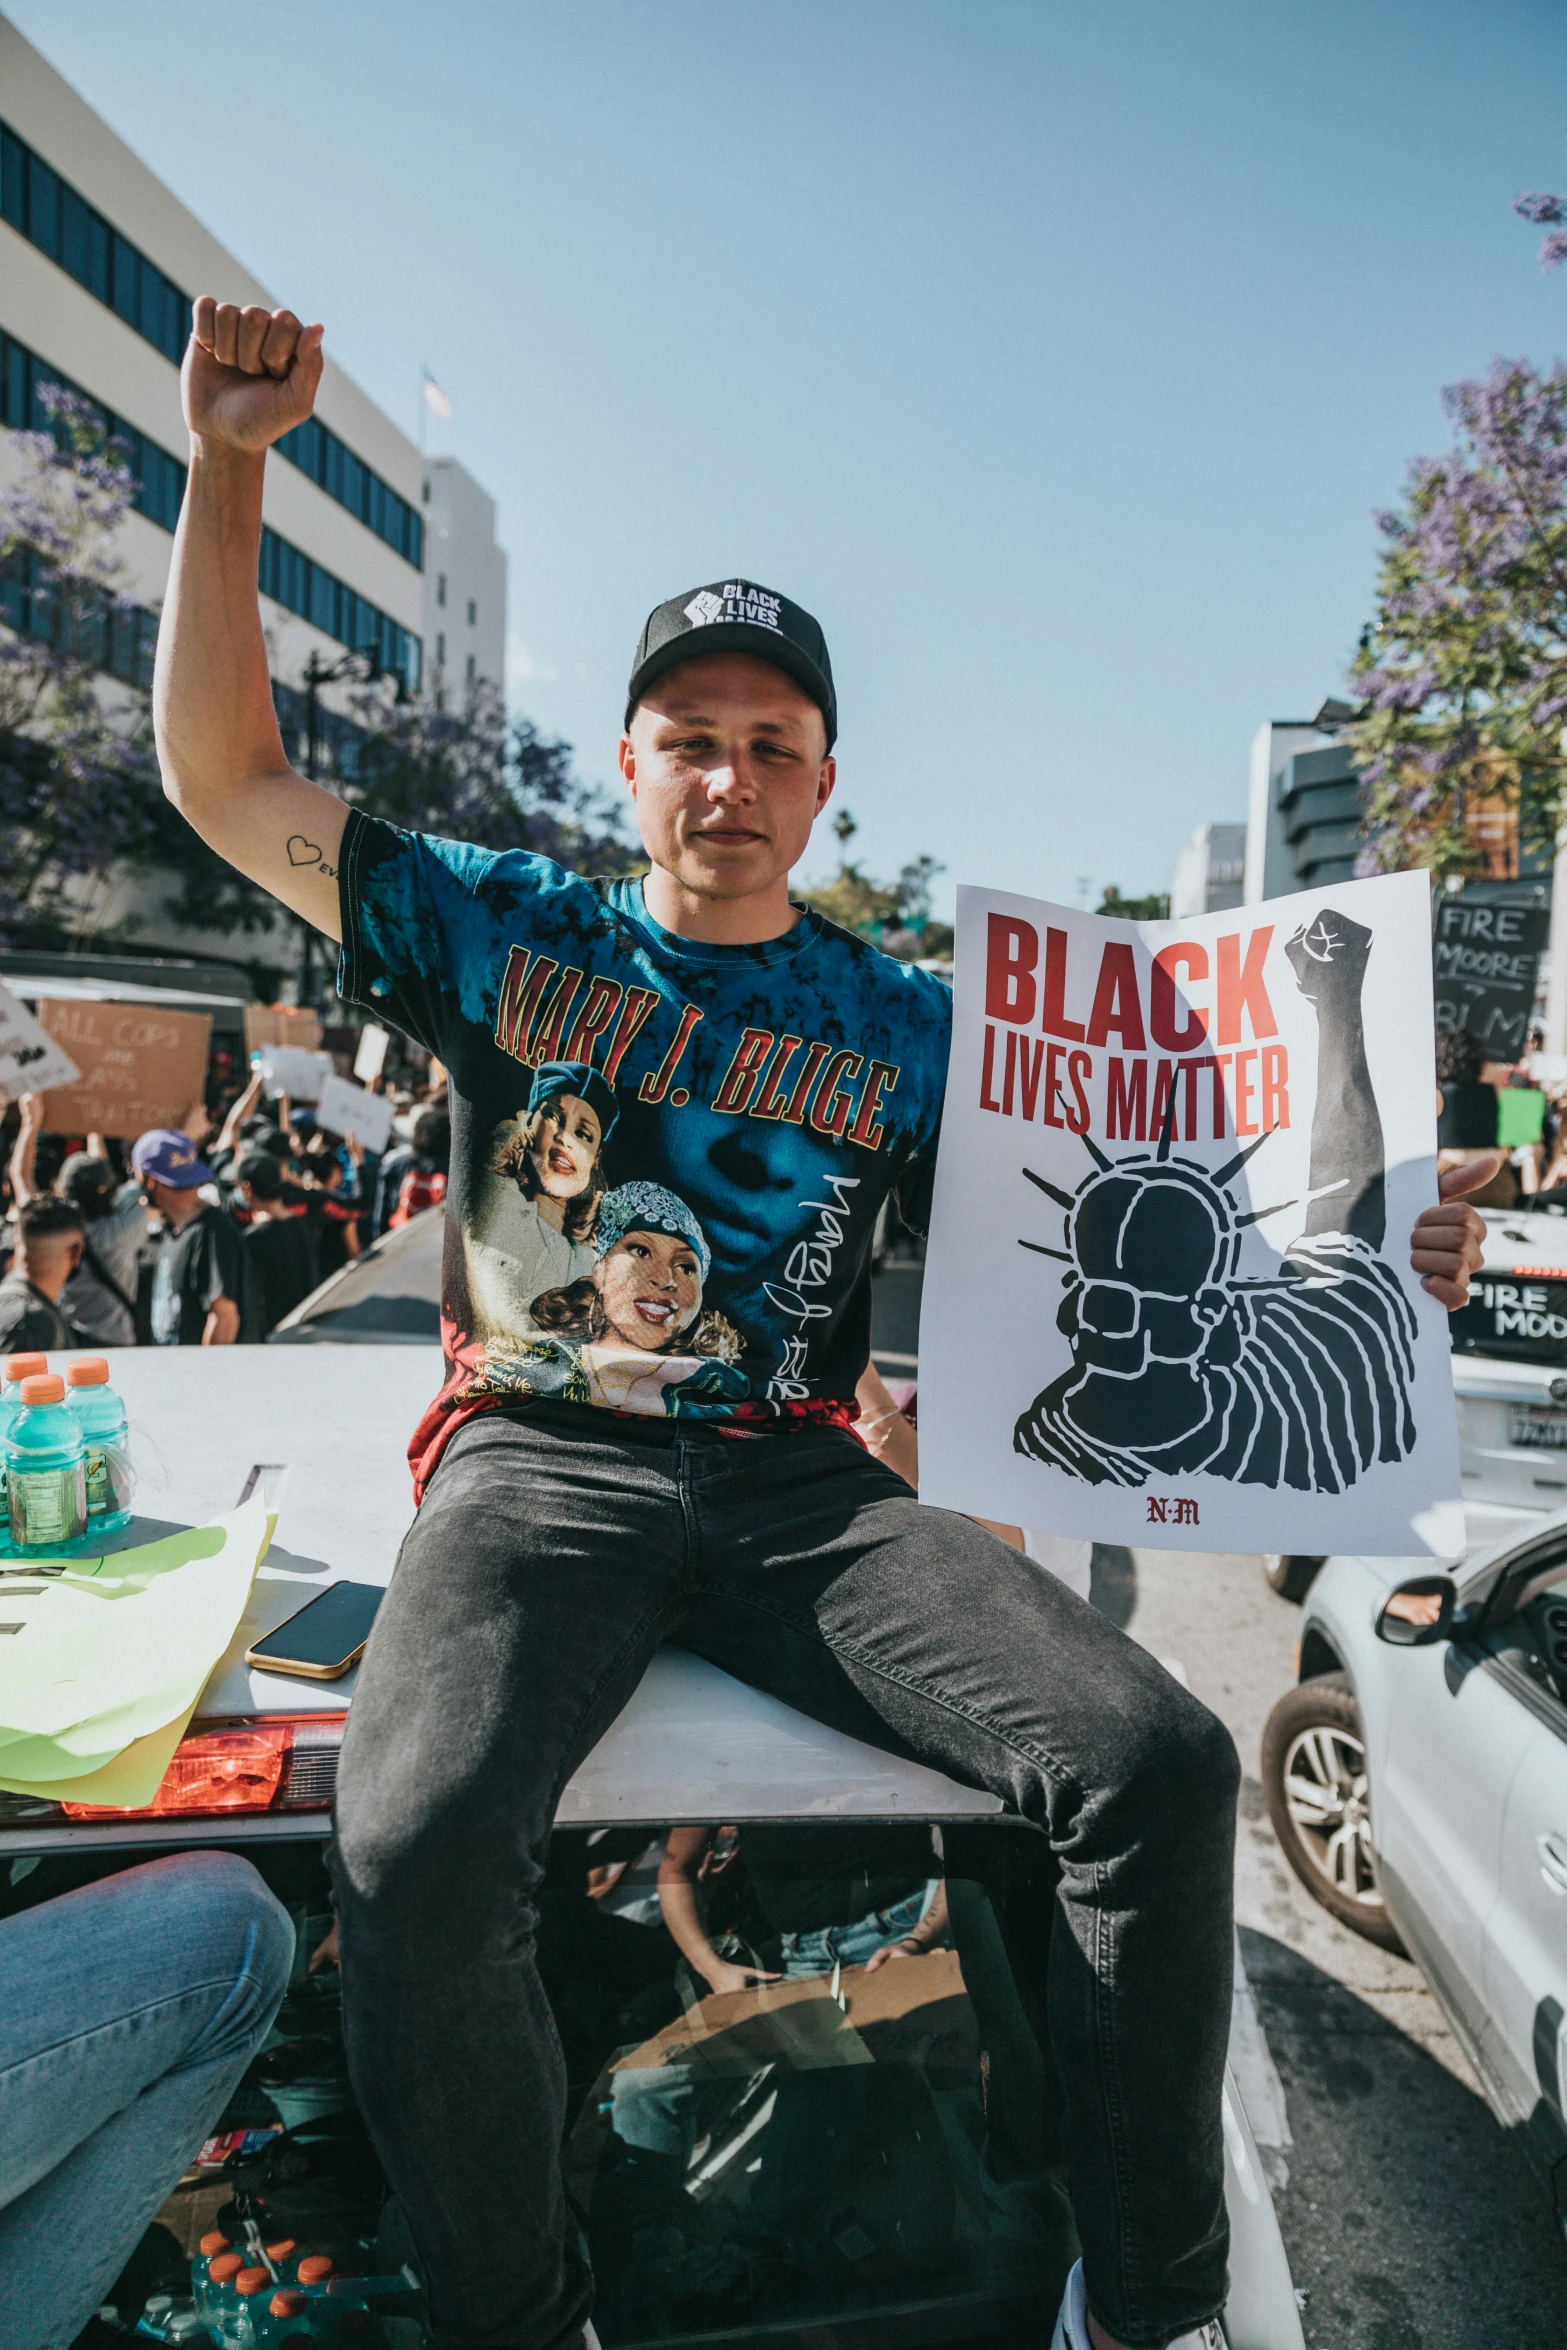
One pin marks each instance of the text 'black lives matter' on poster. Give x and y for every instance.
(1168, 1297)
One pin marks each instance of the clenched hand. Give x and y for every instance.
(1446, 1243)
(250, 375)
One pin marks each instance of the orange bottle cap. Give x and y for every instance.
(281, 2250)
(216, 2241)
(43, 1387)
(287, 2303)
(91, 1371)
(227, 2264)
(25, 1366)
(314, 2267)
(252, 2280)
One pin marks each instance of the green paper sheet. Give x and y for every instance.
(111, 1650)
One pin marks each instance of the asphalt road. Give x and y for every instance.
(1410, 2219)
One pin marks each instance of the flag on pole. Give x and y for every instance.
(436, 401)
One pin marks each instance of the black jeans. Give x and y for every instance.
(553, 1554)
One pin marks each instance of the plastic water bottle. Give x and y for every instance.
(17, 1368)
(100, 1414)
(216, 2300)
(46, 1469)
(254, 2288)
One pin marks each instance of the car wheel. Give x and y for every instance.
(1290, 1573)
(1315, 1786)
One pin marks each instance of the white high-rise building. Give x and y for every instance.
(1209, 871)
(464, 584)
(98, 265)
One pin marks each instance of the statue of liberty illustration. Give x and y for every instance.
(1179, 1364)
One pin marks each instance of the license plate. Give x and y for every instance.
(1537, 1426)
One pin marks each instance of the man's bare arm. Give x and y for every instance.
(249, 377)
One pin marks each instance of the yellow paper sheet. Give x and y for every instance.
(131, 1780)
(114, 1651)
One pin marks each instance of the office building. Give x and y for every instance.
(1209, 871)
(98, 265)
(464, 584)
(1304, 806)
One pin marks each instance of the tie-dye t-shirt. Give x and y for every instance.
(668, 1158)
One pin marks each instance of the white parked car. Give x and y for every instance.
(1417, 1781)
(871, 2151)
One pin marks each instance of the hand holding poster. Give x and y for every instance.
(1169, 1298)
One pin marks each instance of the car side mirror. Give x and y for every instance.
(1418, 1613)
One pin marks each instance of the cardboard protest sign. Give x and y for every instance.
(139, 1066)
(349, 1109)
(1487, 964)
(1168, 1298)
(30, 1060)
(267, 1024)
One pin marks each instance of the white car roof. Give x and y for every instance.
(692, 1744)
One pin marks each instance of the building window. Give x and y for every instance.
(42, 207)
(468, 672)
(440, 652)
(440, 588)
(300, 585)
(473, 613)
(159, 478)
(120, 639)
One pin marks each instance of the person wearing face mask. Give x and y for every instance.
(533, 1221)
(49, 1238)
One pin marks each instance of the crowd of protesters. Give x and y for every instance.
(200, 1235)
(1485, 1104)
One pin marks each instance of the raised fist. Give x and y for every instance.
(1329, 955)
(250, 375)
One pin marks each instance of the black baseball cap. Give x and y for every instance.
(736, 616)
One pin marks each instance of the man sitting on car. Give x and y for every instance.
(748, 1085)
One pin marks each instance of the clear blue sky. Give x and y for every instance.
(1054, 356)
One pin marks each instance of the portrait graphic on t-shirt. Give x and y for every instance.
(537, 1200)
(632, 1333)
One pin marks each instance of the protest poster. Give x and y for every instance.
(268, 1024)
(30, 1060)
(138, 1066)
(370, 1054)
(1486, 966)
(349, 1109)
(288, 1069)
(1168, 1299)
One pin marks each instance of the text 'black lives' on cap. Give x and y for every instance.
(736, 616)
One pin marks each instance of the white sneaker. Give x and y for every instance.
(1072, 2325)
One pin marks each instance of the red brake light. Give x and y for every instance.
(241, 1767)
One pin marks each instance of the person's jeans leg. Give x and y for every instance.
(824, 1581)
(128, 2010)
(529, 1596)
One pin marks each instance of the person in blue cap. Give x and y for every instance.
(534, 1213)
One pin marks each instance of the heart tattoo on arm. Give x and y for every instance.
(308, 852)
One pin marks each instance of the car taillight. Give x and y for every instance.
(287, 1762)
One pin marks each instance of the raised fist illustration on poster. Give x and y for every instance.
(1297, 1376)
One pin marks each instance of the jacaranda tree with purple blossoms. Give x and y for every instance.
(78, 775)
(1462, 673)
